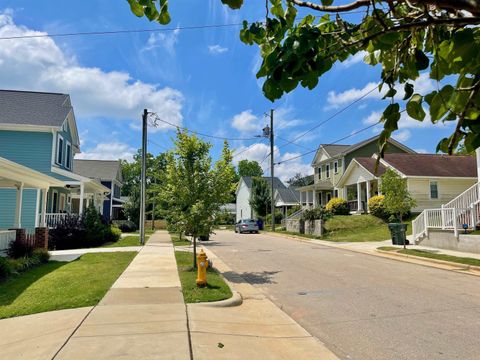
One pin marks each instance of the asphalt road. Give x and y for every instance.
(361, 306)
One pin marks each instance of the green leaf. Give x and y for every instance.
(439, 104)
(164, 18)
(415, 109)
(408, 91)
(136, 8)
(327, 2)
(233, 4)
(390, 93)
(421, 60)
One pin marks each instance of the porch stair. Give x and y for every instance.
(462, 212)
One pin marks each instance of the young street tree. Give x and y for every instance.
(249, 168)
(194, 189)
(398, 200)
(260, 198)
(405, 37)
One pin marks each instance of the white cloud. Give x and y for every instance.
(406, 122)
(422, 85)
(217, 49)
(260, 152)
(246, 122)
(40, 64)
(355, 59)
(402, 135)
(165, 40)
(109, 151)
(421, 151)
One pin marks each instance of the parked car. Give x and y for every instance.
(246, 225)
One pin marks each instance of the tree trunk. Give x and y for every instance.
(194, 252)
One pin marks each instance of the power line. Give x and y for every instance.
(160, 146)
(247, 148)
(157, 118)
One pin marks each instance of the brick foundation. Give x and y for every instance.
(20, 235)
(41, 238)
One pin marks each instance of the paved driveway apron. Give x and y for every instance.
(361, 306)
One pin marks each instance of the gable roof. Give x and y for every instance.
(277, 183)
(435, 165)
(34, 108)
(370, 164)
(287, 195)
(334, 150)
(98, 169)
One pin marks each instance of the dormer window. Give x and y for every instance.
(327, 170)
(60, 143)
(68, 155)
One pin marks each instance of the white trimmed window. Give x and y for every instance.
(335, 167)
(319, 172)
(68, 155)
(433, 190)
(59, 157)
(327, 170)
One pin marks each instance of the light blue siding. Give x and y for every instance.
(31, 149)
(7, 208)
(67, 136)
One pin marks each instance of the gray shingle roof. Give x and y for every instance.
(97, 169)
(277, 183)
(33, 108)
(334, 150)
(288, 195)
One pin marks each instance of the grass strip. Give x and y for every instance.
(131, 240)
(432, 255)
(177, 242)
(215, 290)
(60, 285)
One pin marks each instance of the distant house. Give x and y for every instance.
(329, 164)
(286, 198)
(283, 196)
(38, 131)
(109, 174)
(432, 179)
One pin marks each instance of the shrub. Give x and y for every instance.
(18, 249)
(317, 213)
(42, 255)
(111, 234)
(338, 206)
(127, 226)
(5, 268)
(278, 217)
(293, 209)
(377, 207)
(94, 227)
(69, 234)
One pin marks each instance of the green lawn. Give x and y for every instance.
(215, 290)
(131, 240)
(60, 285)
(431, 255)
(147, 231)
(177, 242)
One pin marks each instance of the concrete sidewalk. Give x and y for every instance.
(142, 316)
(73, 254)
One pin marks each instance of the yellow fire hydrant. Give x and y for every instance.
(202, 265)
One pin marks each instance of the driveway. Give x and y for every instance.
(361, 306)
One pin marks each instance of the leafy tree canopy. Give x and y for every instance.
(249, 168)
(260, 197)
(300, 180)
(404, 37)
(398, 200)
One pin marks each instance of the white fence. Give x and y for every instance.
(6, 237)
(52, 219)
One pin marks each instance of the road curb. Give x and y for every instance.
(435, 261)
(235, 300)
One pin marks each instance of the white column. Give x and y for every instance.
(477, 153)
(43, 222)
(368, 192)
(37, 208)
(379, 183)
(359, 197)
(82, 194)
(18, 207)
(314, 198)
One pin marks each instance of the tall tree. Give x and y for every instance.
(405, 37)
(300, 180)
(249, 168)
(260, 198)
(398, 200)
(194, 189)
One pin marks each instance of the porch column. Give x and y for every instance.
(368, 192)
(82, 194)
(379, 183)
(37, 208)
(359, 197)
(43, 222)
(18, 207)
(314, 199)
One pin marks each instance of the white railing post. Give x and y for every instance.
(425, 221)
(443, 218)
(455, 227)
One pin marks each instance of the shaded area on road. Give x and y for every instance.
(261, 277)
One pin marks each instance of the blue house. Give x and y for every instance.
(38, 131)
(109, 173)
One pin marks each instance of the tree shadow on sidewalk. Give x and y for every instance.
(263, 277)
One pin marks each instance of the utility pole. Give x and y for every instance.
(143, 182)
(272, 170)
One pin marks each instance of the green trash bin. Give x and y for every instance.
(399, 233)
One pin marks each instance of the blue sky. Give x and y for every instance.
(203, 79)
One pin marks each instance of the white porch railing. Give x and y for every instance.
(6, 237)
(52, 219)
(465, 199)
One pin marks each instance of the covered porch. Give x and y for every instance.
(318, 194)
